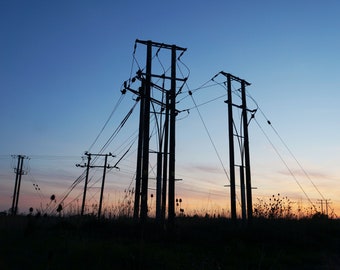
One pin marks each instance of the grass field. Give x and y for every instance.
(195, 243)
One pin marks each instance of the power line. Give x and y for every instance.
(286, 165)
(210, 138)
(288, 149)
(108, 120)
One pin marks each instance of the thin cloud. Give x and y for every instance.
(311, 174)
(203, 168)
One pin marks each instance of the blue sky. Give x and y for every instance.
(62, 65)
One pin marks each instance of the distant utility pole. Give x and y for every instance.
(19, 171)
(243, 137)
(88, 166)
(325, 203)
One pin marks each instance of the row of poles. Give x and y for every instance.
(165, 180)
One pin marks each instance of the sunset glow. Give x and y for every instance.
(63, 67)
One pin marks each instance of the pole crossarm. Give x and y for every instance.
(160, 45)
(153, 100)
(234, 78)
(166, 77)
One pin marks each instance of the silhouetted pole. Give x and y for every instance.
(165, 156)
(88, 166)
(231, 150)
(246, 151)
(327, 204)
(102, 187)
(171, 206)
(86, 181)
(136, 208)
(19, 184)
(146, 124)
(322, 205)
(165, 160)
(243, 195)
(159, 182)
(17, 172)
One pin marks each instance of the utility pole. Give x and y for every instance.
(242, 135)
(172, 142)
(165, 156)
(88, 166)
(103, 182)
(146, 133)
(136, 208)
(152, 103)
(231, 149)
(246, 150)
(326, 203)
(18, 173)
(243, 196)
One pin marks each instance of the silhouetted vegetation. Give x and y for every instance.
(195, 243)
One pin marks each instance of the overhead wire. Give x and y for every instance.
(107, 121)
(286, 165)
(210, 138)
(118, 129)
(288, 149)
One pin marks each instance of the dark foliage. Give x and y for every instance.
(194, 243)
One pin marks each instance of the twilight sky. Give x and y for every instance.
(62, 65)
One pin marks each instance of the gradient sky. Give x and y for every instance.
(62, 65)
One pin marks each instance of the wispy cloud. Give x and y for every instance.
(311, 174)
(196, 168)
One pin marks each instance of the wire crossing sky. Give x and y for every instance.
(63, 65)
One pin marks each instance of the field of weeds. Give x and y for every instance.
(194, 243)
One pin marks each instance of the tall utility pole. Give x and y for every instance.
(88, 166)
(172, 142)
(164, 106)
(18, 173)
(243, 137)
(231, 150)
(146, 133)
(246, 150)
(165, 156)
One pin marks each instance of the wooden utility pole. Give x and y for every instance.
(246, 150)
(166, 144)
(245, 175)
(18, 173)
(103, 182)
(146, 133)
(324, 202)
(231, 150)
(88, 166)
(165, 156)
(172, 143)
(136, 209)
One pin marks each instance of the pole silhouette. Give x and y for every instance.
(88, 166)
(164, 106)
